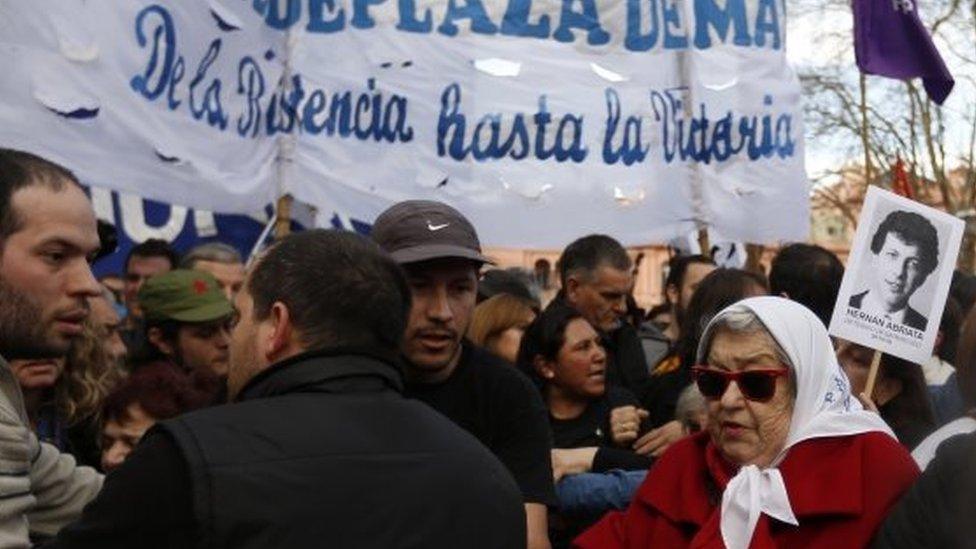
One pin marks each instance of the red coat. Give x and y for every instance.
(840, 489)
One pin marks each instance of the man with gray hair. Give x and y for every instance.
(597, 276)
(221, 260)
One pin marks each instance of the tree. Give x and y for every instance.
(879, 120)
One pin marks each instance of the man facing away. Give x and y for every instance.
(904, 252)
(440, 252)
(319, 447)
(47, 234)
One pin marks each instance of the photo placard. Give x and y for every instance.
(898, 276)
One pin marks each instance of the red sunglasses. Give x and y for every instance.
(756, 385)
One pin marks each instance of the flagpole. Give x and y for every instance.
(865, 140)
(686, 74)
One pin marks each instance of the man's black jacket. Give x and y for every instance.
(321, 450)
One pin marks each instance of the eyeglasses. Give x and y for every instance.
(756, 385)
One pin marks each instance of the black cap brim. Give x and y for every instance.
(428, 252)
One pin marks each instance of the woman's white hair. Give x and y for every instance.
(739, 319)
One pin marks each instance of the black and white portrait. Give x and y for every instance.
(897, 276)
(904, 251)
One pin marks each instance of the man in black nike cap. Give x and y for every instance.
(441, 254)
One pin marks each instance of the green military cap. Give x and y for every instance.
(184, 296)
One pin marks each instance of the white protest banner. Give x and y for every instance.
(897, 277)
(541, 120)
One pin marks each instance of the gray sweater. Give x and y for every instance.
(41, 489)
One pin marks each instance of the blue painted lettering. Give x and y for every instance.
(767, 22)
(163, 51)
(408, 17)
(361, 18)
(636, 40)
(316, 16)
(211, 107)
(487, 140)
(631, 149)
(587, 20)
(708, 14)
(675, 37)
(698, 139)
(516, 21)
(473, 10)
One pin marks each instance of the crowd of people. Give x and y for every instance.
(398, 390)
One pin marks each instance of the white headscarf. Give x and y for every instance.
(824, 407)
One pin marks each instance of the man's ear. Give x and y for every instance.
(572, 288)
(156, 338)
(278, 335)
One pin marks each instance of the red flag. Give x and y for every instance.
(899, 180)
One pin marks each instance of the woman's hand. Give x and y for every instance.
(657, 441)
(572, 461)
(625, 422)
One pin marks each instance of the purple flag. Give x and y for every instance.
(890, 40)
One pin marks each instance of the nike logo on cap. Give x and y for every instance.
(432, 227)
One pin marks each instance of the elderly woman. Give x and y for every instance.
(788, 459)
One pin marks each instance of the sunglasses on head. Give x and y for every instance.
(756, 385)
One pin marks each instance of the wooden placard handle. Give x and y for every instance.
(872, 375)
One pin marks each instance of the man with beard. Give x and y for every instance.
(319, 447)
(187, 319)
(905, 251)
(440, 252)
(47, 234)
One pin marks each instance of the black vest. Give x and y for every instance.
(323, 450)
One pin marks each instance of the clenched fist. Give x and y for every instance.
(625, 423)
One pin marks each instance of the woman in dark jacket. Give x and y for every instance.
(562, 354)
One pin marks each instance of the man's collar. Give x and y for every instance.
(322, 366)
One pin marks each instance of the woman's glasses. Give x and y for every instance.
(757, 385)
